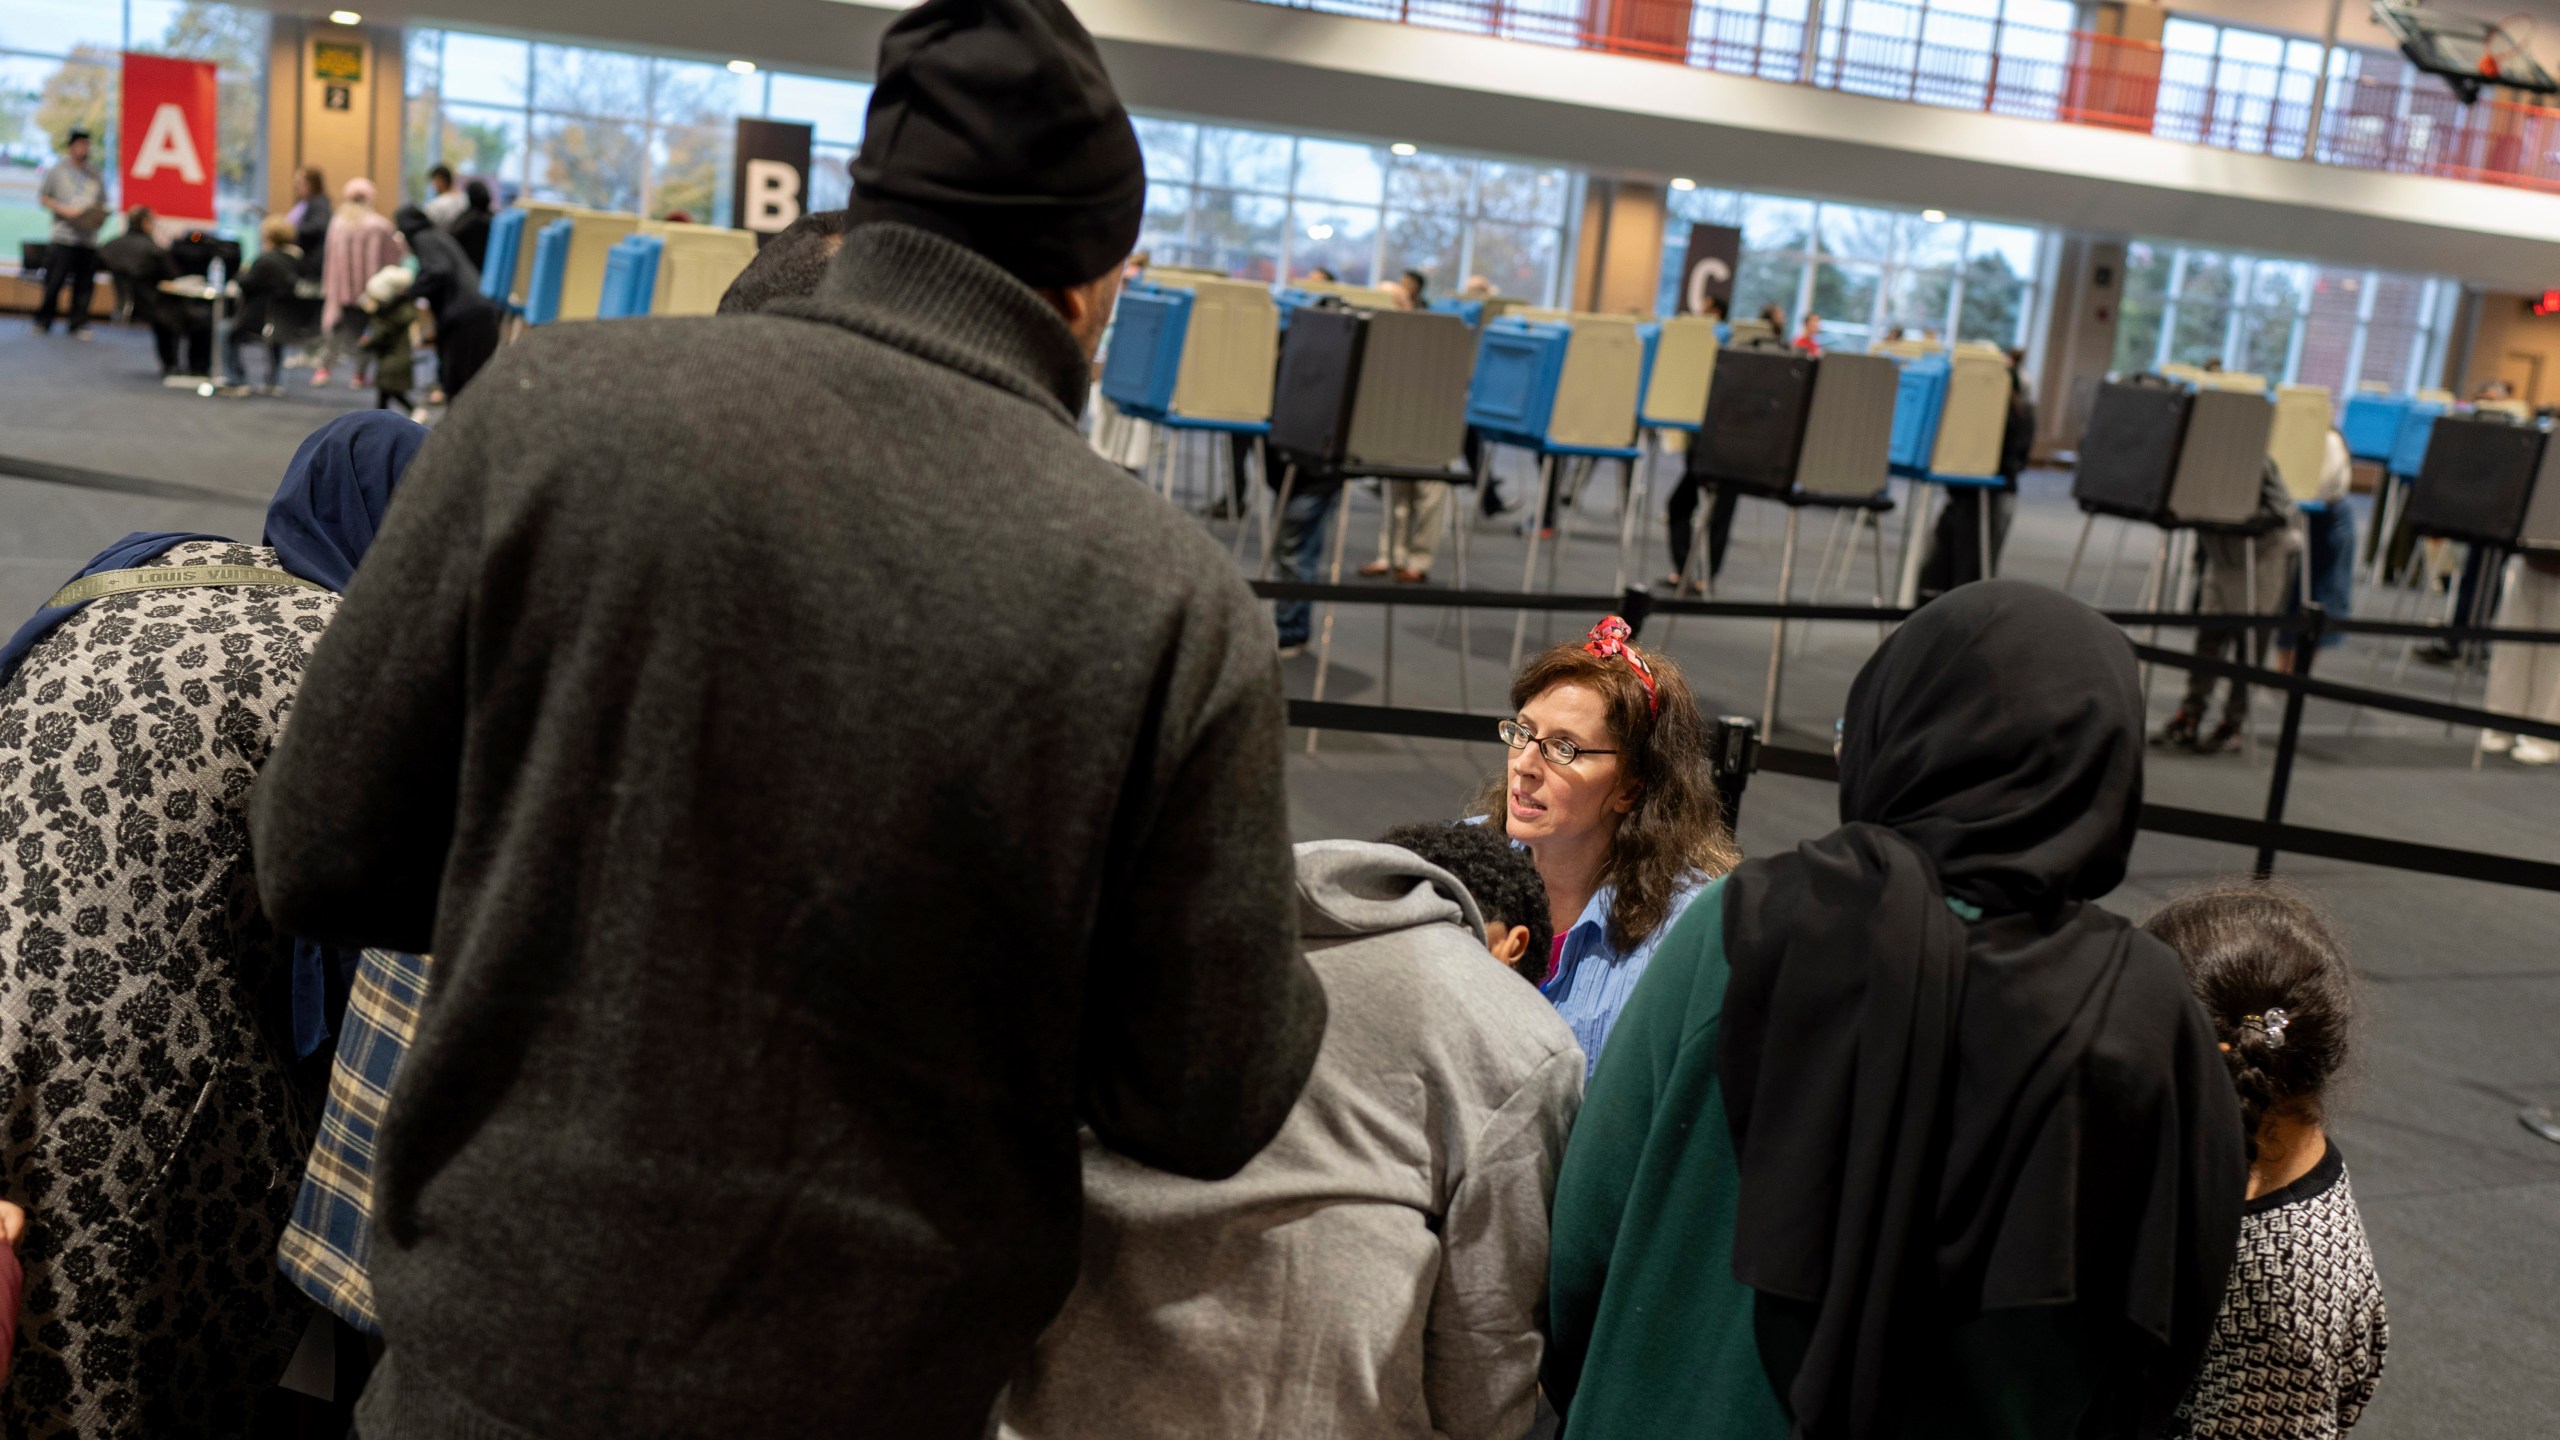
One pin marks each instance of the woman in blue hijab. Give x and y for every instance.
(155, 1130)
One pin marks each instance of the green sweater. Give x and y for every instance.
(1652, 1337)
(1650, 1333)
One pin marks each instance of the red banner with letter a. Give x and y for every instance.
(166, 138)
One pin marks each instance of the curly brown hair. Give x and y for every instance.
(1676, 828)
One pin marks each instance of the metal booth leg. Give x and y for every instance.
(1989, 569)
(1915, 540)
(2248, 651)
(1631, 505)
(1778, 636)
(2154, 590)
(2115, 557)
(1466, 652)
(1883, 629)
(1253, 496)
(2071, 576)
(1279, 509)
(1324, 643)
(1529, 570)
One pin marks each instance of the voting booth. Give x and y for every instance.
(2298, 441)
(696, 265)
(547, 264)
(630, 283)
(2172, 456)
(1199, 355)
(2477, 481)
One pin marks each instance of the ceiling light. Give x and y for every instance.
(1319, 232)
(1402, 148)
(742, 67)
(1934, 217)
(345, 17)
(1684, 184)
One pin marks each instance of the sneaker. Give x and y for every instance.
(2225, 737)
(2439, 653)
(319, 379)
(1376, 568)
(1293, 650)
(83, 333)
(1413, 577)
(355, 382)
(2530, 751)
(2496, 742)
(2181, 729)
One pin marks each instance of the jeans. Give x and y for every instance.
(1301, 545)
(2333, 568)
(75, 266)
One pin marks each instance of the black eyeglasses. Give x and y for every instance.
(1557, 749)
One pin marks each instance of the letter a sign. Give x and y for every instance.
(166, 136)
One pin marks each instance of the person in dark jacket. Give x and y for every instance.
(266, 294)
(139, 263)
(795, 895)
(448, 284)
(310, 216)
(470, 229)
(790, 265)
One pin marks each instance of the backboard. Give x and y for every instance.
(2466, 53)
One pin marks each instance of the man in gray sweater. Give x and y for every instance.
(1378, 1272)
(822, 783)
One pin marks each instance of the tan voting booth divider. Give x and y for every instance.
(592, 236)
(1596, 396)
(1976, 413)
(1230, 352)
(2299, 439)
(695, 268)
(1684, 366)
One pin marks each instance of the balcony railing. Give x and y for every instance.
(1925, 57)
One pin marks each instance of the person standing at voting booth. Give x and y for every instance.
(795, 893)
(2229, 559)
(1902, 1135)
(148, 1012)
(2525, 679)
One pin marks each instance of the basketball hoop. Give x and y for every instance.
(2469, 55)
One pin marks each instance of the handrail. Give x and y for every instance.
(1891, 50)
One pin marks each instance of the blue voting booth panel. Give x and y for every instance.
(1918, 406)
(550, 267)
(630, 277)
(2372, 424)
(1146, 350)
(1518, 365)
(2409, 447)
(1471, 311)
(498, 262)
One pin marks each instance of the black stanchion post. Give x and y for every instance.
(1634, 607)
(1733, 752)
(2289, 740)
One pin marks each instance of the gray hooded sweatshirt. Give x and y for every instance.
(1379, 1268)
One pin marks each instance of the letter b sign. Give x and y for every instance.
(772, 187)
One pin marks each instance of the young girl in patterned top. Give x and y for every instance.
(2297, 1349)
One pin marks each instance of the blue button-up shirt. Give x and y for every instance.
(1593, 980)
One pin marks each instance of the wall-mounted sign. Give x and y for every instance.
(772, 186)
(167, 136)
(1715, 256)
(340, 61)
(337, 97)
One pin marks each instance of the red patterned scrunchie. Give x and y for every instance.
(1608, 641)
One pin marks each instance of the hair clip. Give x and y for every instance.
(1608, 641)
(2273, 1023)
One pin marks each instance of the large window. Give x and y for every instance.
(605, 128)
(1266, 206)
(630, 132)
(1868, 273)
(59, 69)
(2293, 321)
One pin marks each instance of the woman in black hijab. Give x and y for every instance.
(1981, 1164)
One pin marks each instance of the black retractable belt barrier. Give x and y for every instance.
(1736, 751)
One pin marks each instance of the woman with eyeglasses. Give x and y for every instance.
(1608, 789)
